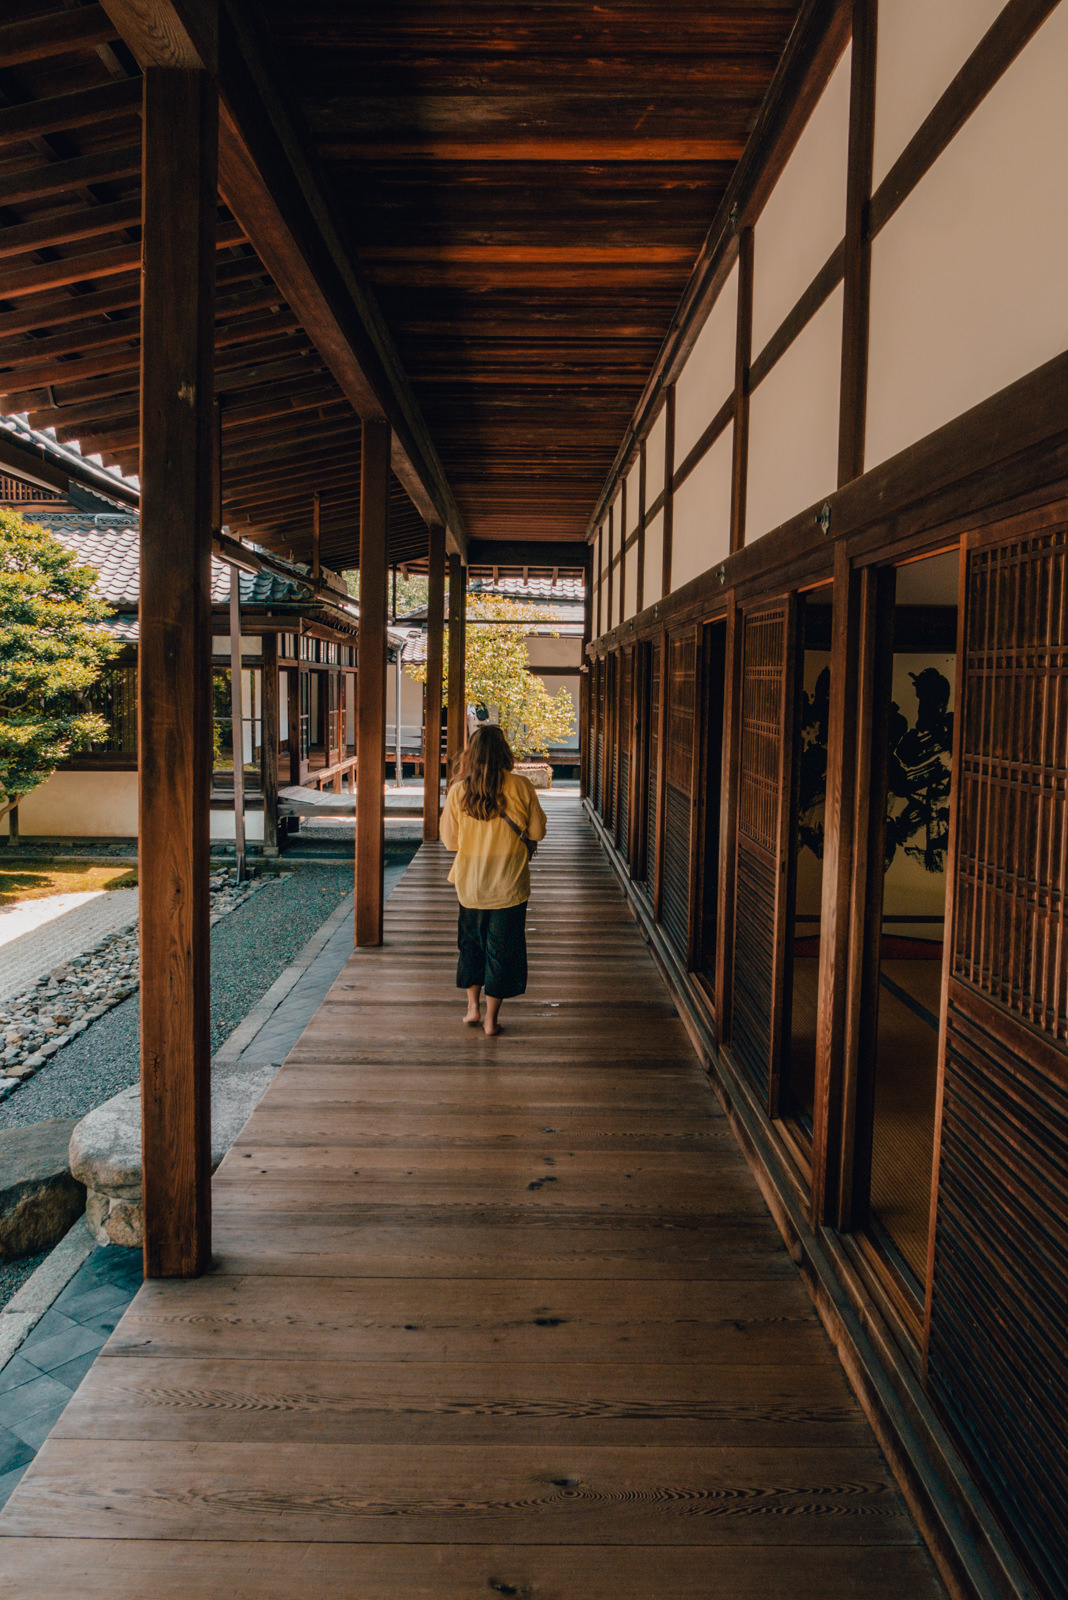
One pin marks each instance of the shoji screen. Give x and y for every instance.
(998, 1345)
(678, 774)
(760, 882)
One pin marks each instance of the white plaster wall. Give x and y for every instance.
(251, 645)
(969, 276)
(654, 457)
(708, 376)
(411, 707)
(630, 595)
(922, 45)
(654, 559)
(793, 425)
(701, 520)
(804, 219)
(571, 684)
(222, 825)
(563, 651)
(82, 805)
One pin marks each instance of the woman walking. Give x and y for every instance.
(491, 821)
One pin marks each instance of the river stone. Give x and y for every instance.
(105, 1148)
(39, 1199)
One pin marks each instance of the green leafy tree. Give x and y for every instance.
(51, 650)
(497, 673)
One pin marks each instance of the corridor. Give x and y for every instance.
(488, 1318)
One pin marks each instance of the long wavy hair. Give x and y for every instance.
(481, 770)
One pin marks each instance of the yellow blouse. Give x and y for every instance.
(492, 868)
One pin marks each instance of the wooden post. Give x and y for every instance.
(669, 492)
(586, 745)
(237, 724)
(371, 682)
(435, 649)
(742, 356)
(857, 291)
(174, 697)
(316, 568)
(269, 744)
(293, 695)
(457, 643)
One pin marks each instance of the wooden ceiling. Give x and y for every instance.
(527, 187)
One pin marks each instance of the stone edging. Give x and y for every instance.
(28, 1305)
(36, 1024)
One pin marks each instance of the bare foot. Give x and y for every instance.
(491, 1030)
(473, 1017)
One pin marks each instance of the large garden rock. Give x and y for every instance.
(39, 1199)
(105, 1149)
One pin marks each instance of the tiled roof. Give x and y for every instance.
(111, 545)
(535, 589)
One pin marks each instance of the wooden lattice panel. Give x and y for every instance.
(763, 729)
(626, 700)
(1012, 864)
(758, 904)
(997, 1357)
(652, 713)
(678, 799)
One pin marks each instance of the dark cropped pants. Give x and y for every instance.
(493, 951)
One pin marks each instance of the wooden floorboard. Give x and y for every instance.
(488, 1317)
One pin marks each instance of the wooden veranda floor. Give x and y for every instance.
(488, 1318)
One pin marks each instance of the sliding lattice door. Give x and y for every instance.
(626, 702)
(997, 1358)
(678, 781)
(760, 875)
(652, 748)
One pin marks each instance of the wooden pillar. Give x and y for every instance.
(237, 724)
(857, 290)
(743, 350)
(457, 645)
(669, 492)
(316, 568)
(585, 698)
(371, 682)
(174, 698)
(435, 649)
(293, 695)
(269, 744)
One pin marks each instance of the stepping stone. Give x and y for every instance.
(39, 1197)
(105, 1148)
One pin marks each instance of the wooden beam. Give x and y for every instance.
(169, 33)
(59, 177)
(33, 119)
(854, 385)
(819, 37)
(371, 681)
(435, 646)
(316, 567)
(457, 711)
(742, 357)
(88, 223)
(237, 725)
(669, 494)
(1010, 32)
(267, 181)
(565, 554)
(174, 723)
(57, 34)
(639, 588)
